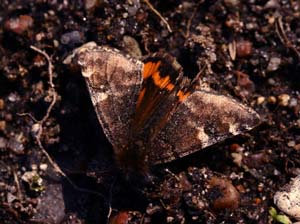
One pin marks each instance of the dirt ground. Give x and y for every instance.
(251, 52)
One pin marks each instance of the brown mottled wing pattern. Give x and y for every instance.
(201, 120)
(114, 83)
(151, 113)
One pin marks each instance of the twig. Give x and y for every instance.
(109, 202)
(18, 184)
(40, 123)
(163, 204)
(29, 115)
(109, 213)
(232, 50)
(58, 170)
(189, 23)
(198, 76)
(172, 174)
(159, 15)
(52, 104)
(50, 66)
(283, 38)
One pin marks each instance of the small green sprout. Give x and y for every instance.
(279, 218)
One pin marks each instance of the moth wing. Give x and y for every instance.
(158, 94)
(114, 82)
(201, 120)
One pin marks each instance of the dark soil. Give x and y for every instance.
(251, 52)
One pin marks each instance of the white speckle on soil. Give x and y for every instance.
(288, 199)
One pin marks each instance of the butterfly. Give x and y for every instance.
(150, 112)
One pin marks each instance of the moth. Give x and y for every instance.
(150, 112)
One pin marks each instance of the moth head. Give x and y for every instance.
(82, 59)
(78, 51)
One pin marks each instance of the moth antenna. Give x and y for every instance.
(197, 77)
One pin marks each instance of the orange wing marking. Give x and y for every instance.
(150, 68)
(170, 87)
(182, 95)
(162, 82)
(141, 96)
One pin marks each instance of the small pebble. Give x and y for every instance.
(35, 128)
(271, 82)
(241, 188)
(260, 100)
(133, 8)
(243, 48)
(235, 147)
(1, 104)
(13, 97)
(237, 158)
(28, 176)
(170, 219)
(283, 100)
(3, 186)
(40, 36)
(120, 218)
(274, 64)
(8, 117)
(184, 183)
(91, 4)
(51, 12)
(291, 144)
(39, 61)
(257, 159)
(2, 125)
(43, 166)
(16, 146)
(231, 3)
(223, 194)
(71, 38)
(10, 197)
(150, 210)
(251, 26)
(34, 167)
(297, 147)
(234, 22)
(20, 24)
(272, 100)
(260, 187)
(298, 123)
(198, 204)
(293, 102)
(131, 46)
(55, 43)
(245, 83)
(288, 198)
(272, 4)
(3, 143)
